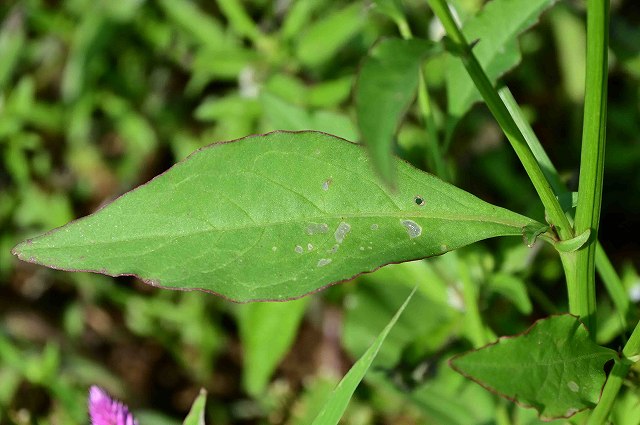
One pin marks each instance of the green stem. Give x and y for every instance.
(532, 141)
(506, 122)
(610, 391)
(403, 27)
(607, 273)
(592, 157)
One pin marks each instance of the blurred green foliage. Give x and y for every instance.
(97, 97)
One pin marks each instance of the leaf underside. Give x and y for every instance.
(553, 367)
(270, 217)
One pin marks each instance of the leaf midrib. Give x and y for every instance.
(534, 364)
(466, 218)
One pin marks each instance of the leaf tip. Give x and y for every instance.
(19, 249)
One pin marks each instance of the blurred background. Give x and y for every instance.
(98, 96)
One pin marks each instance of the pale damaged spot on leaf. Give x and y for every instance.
(315, 228)
(323, 262)
(341, 231)
(413, 229)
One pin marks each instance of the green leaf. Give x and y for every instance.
(427, 322)
(285, 116)
(12, 41)
(196, 414)
(449, 399)
(531, 232)
(339, 399)
(203, 27)
(267, 331)
(513, 288)
(496, 28)
(386, 85)
(271, 217)
(324, 38)
(314, 393)
(391, 8)
(573, 244)
(553, 367)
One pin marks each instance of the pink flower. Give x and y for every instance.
(105, 411)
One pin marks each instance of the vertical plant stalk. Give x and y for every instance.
(592, 159)
(630, 352)
(509, 126)
(506, 122)
(605, 269)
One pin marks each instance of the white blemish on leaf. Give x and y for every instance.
(573, 386)
(323, 262)
(299, 249)
(314, 228)
(341, 231)
(413, 229)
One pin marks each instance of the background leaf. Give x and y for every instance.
(285, 116)
(553, 367)
(271, 217)
(196, 414)
(267, 331)
(386, 86)
(496, 28)
(322, 40)
(339, 399)
(318, 218)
